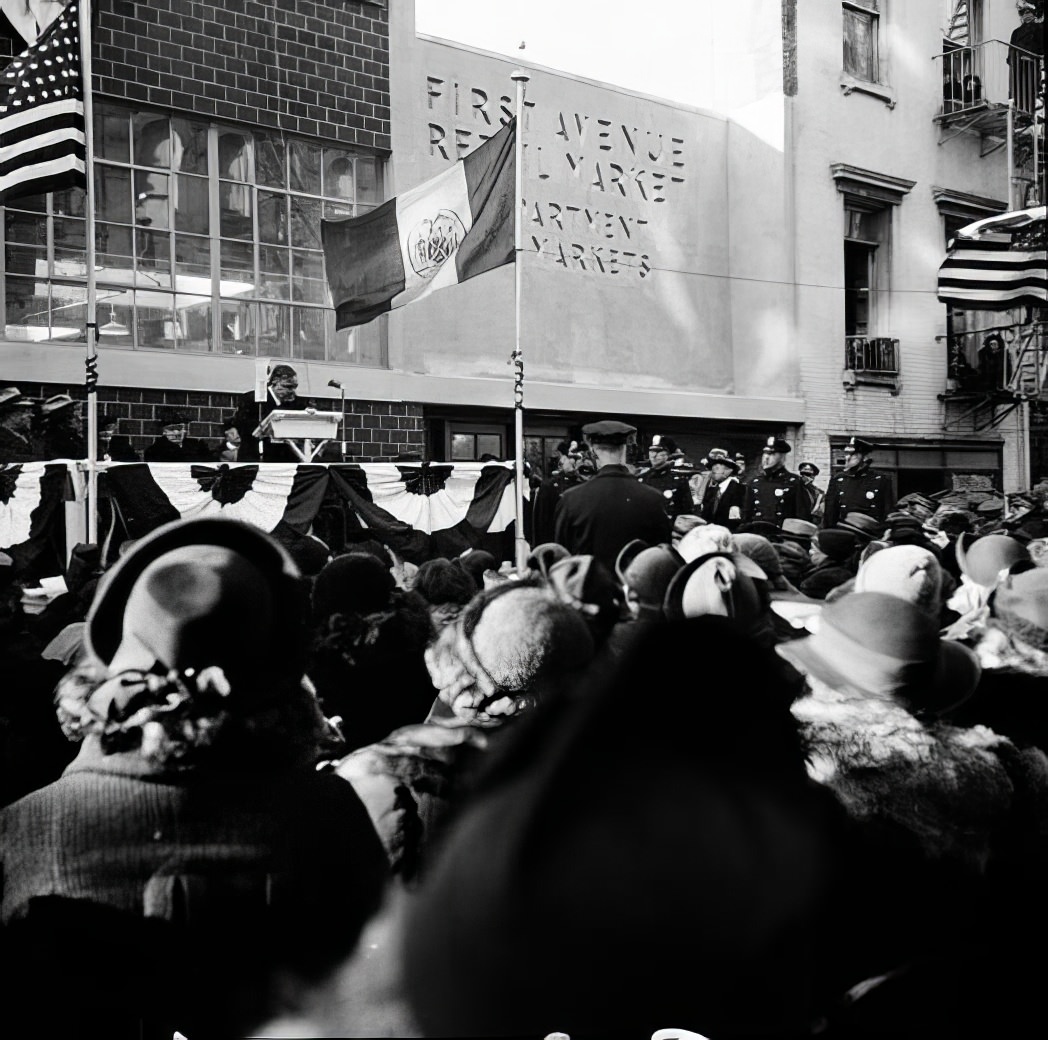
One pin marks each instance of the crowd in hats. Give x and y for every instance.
(735, 771)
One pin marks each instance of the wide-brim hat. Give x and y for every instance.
(544, 556)
(722, 460)
(11, 397)
(280, 649)
(680, 599)
(864, 526)
(796, 530)
(57, 403)
(881, 645)
(983, 558)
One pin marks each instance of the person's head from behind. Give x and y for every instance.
(910, 572)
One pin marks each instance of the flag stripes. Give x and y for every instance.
(43, 146)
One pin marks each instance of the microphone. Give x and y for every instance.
(335, 383)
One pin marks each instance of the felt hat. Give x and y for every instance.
(356, 582)
(836, 544)
(1020, 605)
(544, 556)
(776, 444)
(808, 469)
(858, 446)
(1031, 531)
(882, 645)
(200, 593)
(862, 525)
(171, 418)
(646, 571)
(921, 506)
(608, 431)
(11, 397)
(476, 563)
(764, 528)
(983, 558)
(705, 539)
(660, 442)
(586, 584)
(720, 584)
(763, 553)
(57, 403)
(908, 571)
(719, 457)
(796, 530)
(440, 581)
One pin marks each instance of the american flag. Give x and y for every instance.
(42, 141)
(997, 263)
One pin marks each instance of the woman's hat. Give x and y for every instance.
(586, 584)
(201, 593)
(796, 530)
(647, 572)
(544, 556)
(983, 558)
(908, 571)
(1020, 605)
(861, 524)
(720, 584)
(719, 457)
(357, 582)
(883, 646)
(837, 544)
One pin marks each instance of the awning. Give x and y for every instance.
(997, 263)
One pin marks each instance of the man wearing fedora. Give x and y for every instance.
(666, 478)
(16, 427)
(776, 494)
(173, 445)
(60, 428)
(808, 471)
(859, 487)
(725, 496)
(612, 508)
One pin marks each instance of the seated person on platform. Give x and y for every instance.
(281, 392)
(228, 448)
(113, 446)
(61, 419)
(173, 445)
(16, 426)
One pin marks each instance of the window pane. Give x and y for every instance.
(235, 220)
(151, 198)
(369, 182)
(192, 139)
(489, 444)
(113, 247)
(31, 203)
(305, 222)
(68, 313)
(113, 194)
(70, 248)
(112, 134)
(25, 227)
(333, 210)
(156, 321)
(26, 317)
(153, 256)
(462, 447)
(25, 259)
(273, 272)
(274, 333)
(305, 167)
(272, 218)
(271, 162)
(192, 326)
(191, 204)
(338, 174)
(238, 327)
(363, 345)
(237, 262)
(116, 319)
(69, 203)
(152, 140)
(309, 284)
(193, 258)
(308, 324)
(236, 156)
(860, 45)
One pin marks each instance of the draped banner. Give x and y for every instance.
(32, 520)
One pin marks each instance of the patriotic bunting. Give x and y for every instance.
(31, 529)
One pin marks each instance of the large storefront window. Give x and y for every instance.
(207, 240)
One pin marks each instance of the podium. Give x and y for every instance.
(301, 430)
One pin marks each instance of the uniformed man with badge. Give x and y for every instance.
(808, 471)
(858, 487)
(775, 494)
(567, 457)
(667, 479)
(599, 516)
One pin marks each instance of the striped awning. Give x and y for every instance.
(997, 263)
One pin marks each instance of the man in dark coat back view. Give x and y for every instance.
(599, 517)
(547, 495)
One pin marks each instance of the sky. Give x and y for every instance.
(606, 40)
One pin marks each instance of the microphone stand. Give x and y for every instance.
(342, 419)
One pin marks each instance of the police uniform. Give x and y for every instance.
(544, 505)
(861, 490)
(670, 481)
(601, 515)
(816, 496)
(776, 494)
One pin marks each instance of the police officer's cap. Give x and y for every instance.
(608, 431)
(809, 469)
(660, 442)
(776, 444)
(857, 445)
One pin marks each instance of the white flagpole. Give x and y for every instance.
(520, 78)
(91, 362)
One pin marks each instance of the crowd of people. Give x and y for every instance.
(727, 770)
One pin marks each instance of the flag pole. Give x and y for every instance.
(520, 78)
(91, 324)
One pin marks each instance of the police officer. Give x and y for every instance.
(668, 480)
(775, 494)
(808, 471)
(599, 516)
(567, 457)
(858, 488)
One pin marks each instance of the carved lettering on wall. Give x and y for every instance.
(635, 171)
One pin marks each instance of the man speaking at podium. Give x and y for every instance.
(282, 393)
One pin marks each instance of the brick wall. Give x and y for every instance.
(376, 430)
(317, 69)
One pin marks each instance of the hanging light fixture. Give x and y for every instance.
(113, 327)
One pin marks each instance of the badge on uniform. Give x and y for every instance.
(871, 494)
(779, 492)
(667, 494)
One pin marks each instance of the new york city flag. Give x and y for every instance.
(453, 227)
